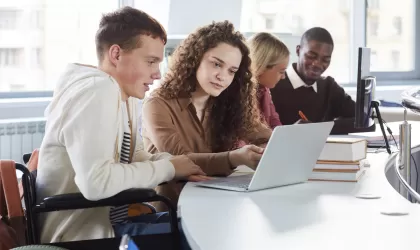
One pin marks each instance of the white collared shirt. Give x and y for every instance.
(297, 81)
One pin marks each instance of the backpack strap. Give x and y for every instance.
(3, 209)
(14, 216)
(10, 189)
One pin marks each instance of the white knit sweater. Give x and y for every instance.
(80, 153)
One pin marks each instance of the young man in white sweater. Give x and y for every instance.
(90, 144)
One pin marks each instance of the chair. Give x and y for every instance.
(77, 201)
(31, 161)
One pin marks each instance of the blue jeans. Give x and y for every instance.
(158, 223)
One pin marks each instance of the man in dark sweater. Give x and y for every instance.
(304, 89)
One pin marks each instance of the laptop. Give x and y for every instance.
(289, 158)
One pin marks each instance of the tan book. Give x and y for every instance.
(349, 176)
(340, 165)
(344, 149)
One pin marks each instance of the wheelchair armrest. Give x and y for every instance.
(78, 201)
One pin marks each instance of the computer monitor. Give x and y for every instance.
(365, 97)
(366, 84)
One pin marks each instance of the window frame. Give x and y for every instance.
(269, 20)
(387, 78)
(397, 24)
(358, 28)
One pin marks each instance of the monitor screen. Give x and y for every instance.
(366, 84)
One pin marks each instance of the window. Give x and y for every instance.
(38, 38)
(251, 23)
(38, 19)
(397, 24)
(373, 25)
(298, 23)
(259, 15)
(11, 67)
(395, 59)
(43, 37)
(395, 36)
(269, 22)
(17, 87)
(373, 4)
(373, 59)
(297, 19)
(11, 57)
(267, 6)
(344, 5)
(37, 58)
(9, 18)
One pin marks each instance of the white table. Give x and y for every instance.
(313, 215)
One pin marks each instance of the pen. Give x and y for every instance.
(302, 115)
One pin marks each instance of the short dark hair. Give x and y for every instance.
(317, 34)
(123, 27)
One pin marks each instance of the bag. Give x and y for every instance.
(8, 238)
(12, 220)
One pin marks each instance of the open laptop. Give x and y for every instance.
(289, 158)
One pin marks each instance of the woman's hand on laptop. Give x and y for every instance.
(197, 178)
(248, 155)
(184, 167)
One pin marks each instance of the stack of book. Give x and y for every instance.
(376, 139)
(342, 159)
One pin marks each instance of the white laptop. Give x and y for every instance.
(289, 158)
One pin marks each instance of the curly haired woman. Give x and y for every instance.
(206, 105)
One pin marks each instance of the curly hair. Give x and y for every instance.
(234, 113)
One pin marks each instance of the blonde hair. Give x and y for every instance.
(266, 51)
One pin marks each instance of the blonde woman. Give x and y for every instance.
(270, 58)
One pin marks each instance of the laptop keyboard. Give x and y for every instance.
(241, 181)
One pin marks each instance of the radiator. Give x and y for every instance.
(20, 136)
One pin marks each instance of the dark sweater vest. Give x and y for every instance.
(289, 102)
(329, 102)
